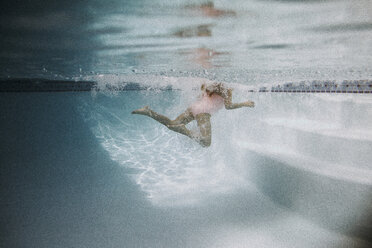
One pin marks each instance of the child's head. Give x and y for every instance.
(212, 88)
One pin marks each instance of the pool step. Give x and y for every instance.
(329, 194)
(338, 147)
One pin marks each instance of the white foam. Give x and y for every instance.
(157, 82)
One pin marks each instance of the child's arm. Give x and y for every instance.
(227, 95)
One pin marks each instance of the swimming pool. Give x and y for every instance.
(80, 168)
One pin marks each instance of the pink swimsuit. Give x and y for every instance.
(207, 104)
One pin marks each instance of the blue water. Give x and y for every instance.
(78, 170)
(250, 42)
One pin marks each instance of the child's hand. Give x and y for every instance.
(249, 104)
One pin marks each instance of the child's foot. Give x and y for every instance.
(249, 104)
(142, 111)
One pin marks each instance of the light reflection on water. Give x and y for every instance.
(306, 153)
(332, 130)
(240, 41)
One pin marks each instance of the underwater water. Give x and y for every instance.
(77, 169)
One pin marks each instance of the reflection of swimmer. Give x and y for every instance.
(213, 98)
(203, 56)
(209, 10)
(198, 31)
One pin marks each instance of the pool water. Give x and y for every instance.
(305, 153)
(77, 169)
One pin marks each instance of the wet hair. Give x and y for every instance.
(213, 88)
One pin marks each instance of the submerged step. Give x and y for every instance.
(343, 172)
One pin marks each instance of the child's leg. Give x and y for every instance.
(183, 118)
(148, 112)
(204, 124)
(177, 125)
(204, 136)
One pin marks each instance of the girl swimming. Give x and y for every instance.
(213, 98)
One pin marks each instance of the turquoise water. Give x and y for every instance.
(241, 41)
(78, 170)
